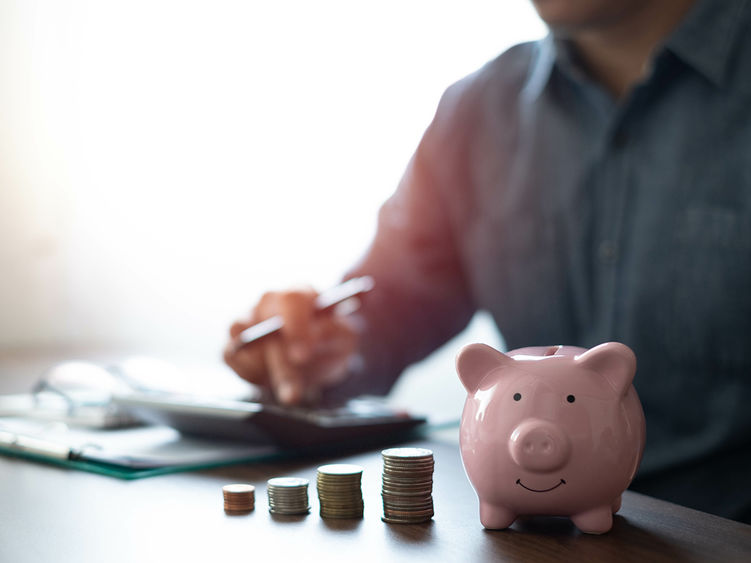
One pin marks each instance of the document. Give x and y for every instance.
(127, 453)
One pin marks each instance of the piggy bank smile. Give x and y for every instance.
(558, 484)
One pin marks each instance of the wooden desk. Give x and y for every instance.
(51, 514)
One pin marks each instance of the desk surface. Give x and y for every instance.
(51, 514)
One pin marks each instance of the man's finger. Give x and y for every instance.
(237, 327)
(286, 382)
(297, 309)
(249, 363)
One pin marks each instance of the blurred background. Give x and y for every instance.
(162, 163)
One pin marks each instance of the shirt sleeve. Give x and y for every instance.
(421, 298)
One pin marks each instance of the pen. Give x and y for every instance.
(326, 300)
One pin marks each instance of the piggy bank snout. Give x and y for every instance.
(538, 445)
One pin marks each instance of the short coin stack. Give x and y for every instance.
(239, 498)
(288, 495)
(407, 485)
(340, 490)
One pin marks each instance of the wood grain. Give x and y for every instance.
(50, 514)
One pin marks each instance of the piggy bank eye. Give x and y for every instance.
(517, 396)
(571, 398)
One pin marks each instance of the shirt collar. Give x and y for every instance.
(704, 40)
(546, 55)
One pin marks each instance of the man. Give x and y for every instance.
(593, 186)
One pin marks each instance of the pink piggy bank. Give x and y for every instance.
(553, 431)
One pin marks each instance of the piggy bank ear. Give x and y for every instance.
(475, 361)
(612, 360)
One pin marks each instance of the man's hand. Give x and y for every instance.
(312, 351)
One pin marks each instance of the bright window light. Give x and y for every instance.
(165, 162)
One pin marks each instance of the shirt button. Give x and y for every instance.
(608, 251)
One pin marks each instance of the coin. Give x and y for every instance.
(339, 469)
(407, 485)
(288, 495)
(287, 482)
(412, 453)
(340, 490)
(239, 498)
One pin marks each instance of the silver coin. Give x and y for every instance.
(342, 469)
(286, 482)
(406, 453)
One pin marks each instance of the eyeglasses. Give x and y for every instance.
(82, 391)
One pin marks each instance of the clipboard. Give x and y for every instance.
(126, 453)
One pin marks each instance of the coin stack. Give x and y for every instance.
(239, 498)
(288, 495)
(407, 485)
(340, 490)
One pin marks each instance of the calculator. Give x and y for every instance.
(360, 420)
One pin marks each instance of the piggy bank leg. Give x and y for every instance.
(494, 517)
(617, 504)
(595, 521)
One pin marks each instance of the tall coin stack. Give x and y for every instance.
(239, 498)
(407, 485)
(288, 495)
(340, 490)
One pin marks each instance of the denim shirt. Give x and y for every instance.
(577, 219)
